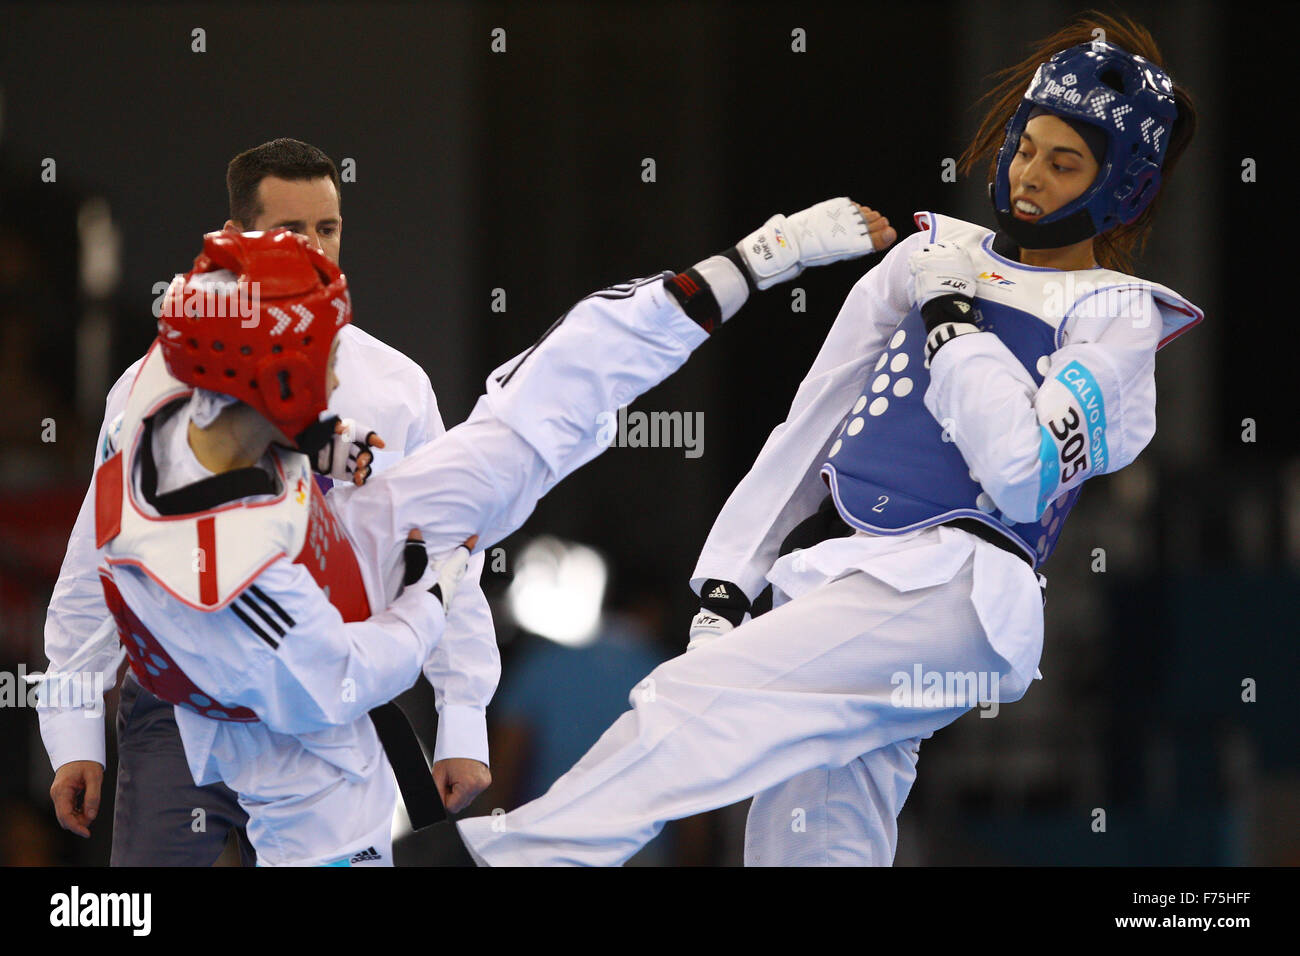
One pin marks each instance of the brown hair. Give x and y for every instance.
(283, 158)
(1117, 247)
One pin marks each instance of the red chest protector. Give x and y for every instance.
(328, 557)
(206, 558)
(326, 554)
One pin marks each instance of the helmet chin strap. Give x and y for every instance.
(1051, 235)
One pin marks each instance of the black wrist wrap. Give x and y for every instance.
(725, 600)
(414, 560)
(313, 439)
(948, 308)
(696, 298)
(947, 317)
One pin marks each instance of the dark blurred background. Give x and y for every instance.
(522, 171)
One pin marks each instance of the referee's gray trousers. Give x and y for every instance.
(160, 817)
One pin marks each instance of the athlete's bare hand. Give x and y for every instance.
(75, 793)
(459, 780)
(878, 227)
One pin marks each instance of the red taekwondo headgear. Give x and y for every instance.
(255, 319)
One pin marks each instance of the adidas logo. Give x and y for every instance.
(720, 592)
(367, 855)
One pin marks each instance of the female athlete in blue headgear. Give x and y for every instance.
(973, 381)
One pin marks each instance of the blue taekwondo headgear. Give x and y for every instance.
(1132, 101)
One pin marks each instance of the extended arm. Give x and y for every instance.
(544, 411)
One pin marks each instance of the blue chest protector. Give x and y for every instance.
(892, 469)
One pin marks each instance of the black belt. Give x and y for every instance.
(414, 780)
(827, 523)
(398, 737)
(981, 530)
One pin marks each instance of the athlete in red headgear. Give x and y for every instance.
(277, 359)
(275, 349)
(283, 183)
(274, 618)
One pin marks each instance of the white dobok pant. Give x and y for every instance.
(815, 707)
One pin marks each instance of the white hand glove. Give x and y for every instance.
(827, 232)
(338, 457)
(706, 626)
(941, 268)
(450, 571)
